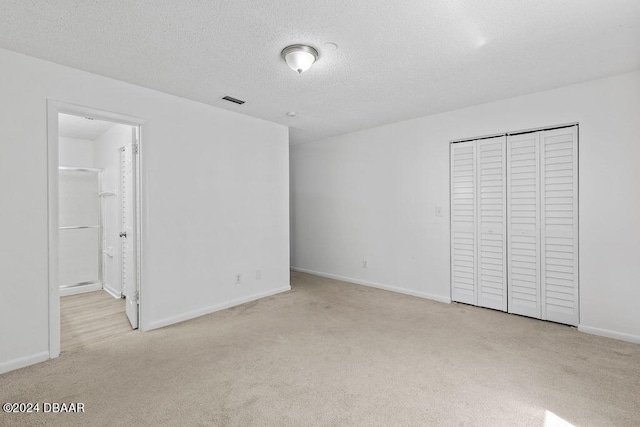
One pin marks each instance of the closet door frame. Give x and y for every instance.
(540, 231)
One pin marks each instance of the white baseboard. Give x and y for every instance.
(446, 300)
(609, 334)
(112, 292)
(64, 292)
(212, 309)
(21, 362)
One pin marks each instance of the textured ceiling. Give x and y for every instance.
(81, 128)
(394, 61)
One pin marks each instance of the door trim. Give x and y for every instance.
(55, 107)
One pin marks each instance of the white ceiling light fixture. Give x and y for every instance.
(299, 57)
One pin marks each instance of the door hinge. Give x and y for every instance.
(136, 297)
(134, 148)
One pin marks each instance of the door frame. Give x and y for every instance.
(53, 109)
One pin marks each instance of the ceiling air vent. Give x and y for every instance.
(232, 99)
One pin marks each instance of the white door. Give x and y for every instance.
(559, 224)
(492, 227)
(463, 223)
(523, 225)
(128, 238)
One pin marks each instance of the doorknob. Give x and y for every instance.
(123, 234)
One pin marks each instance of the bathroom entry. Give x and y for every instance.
(97, 229)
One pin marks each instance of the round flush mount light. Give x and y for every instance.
(331, 46)
(299, 57)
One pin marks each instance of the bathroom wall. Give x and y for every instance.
(75, 152)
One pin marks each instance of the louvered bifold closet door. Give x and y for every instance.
(523, 224)
(559, 220)
(463, 222)
(492, 227)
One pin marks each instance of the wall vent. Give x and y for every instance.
(232, 99)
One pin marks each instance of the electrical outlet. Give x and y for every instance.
(238, 278)
(365, 263)
(258, 274)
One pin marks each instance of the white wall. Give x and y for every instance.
(215, 201)
(372, 195)
(106, 156)
(75, 152)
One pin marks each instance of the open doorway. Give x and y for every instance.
(94, 204)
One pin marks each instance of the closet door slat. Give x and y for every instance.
(559, 224)
(523, 225)
(463, 223)
(491, 219)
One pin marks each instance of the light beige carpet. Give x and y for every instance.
(333, 353)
